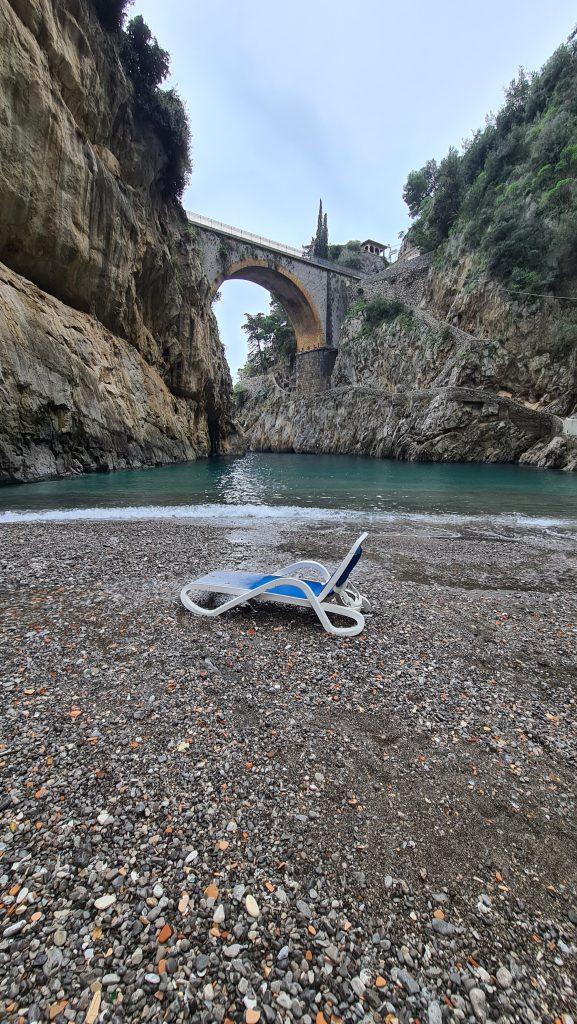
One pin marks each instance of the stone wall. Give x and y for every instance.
(313, 370)
(405, 279)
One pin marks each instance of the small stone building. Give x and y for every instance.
(375, 248)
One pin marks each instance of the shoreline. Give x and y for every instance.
(209, 514)
(408, 794)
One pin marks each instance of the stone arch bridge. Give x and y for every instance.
(313, 292)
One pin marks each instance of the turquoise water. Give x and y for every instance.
(264, 484)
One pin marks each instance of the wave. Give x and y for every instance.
(218, 512)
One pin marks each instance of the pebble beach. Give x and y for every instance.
(247, 820)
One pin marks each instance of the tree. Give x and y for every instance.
(271, 340)
(148, 65)
(320, 243)
(420, 184)
(146, 62)
(446, 195)
(111, 13)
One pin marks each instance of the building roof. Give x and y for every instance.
(371, 241)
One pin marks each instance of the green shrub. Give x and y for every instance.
(562, 194)
(171, 123)
(357, 309)
(145, 61)
(379, 311)
(148, 64)
(353, 262)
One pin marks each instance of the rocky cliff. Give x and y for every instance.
(109, 352)
(435, 425)
(409, 384)
(528, 343)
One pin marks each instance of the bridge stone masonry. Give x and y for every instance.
(314, 293)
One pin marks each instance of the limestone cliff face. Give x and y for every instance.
(435, 425)
(533, 338)
(76, 398)
(417, 387)
(83, 217)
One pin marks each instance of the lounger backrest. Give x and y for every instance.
(343, 571)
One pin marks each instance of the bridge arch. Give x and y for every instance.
(288, 290)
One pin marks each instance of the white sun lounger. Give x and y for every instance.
(333, 595)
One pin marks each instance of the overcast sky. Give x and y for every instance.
(292, 101)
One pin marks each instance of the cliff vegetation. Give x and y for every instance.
(511, 194)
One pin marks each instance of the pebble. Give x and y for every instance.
(14, 929)
(104, 902)
(479, 1003)
(443, 927)
(110, 979)
(435, 1014)
(252, 906)
(232, 951)
(408, 982)
(218, 916)
(504, 978)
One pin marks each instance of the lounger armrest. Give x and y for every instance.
(305, 564)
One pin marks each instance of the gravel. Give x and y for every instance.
(246, 820)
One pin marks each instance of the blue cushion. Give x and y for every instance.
(287, 589)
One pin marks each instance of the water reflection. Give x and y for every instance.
(244, 482)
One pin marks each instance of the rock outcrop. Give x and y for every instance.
(435, 425)
(532, 340)
(419, 388)
(84, 217)
(77, 398)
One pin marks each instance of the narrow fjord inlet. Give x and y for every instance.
(264, 485)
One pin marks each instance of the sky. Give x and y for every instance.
(290, 102)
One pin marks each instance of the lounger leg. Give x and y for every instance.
(349, 613)
(197, 609)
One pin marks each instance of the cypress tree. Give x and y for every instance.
(325, 252)
(320, 243)
(318, 240)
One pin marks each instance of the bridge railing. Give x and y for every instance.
(267, 243)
